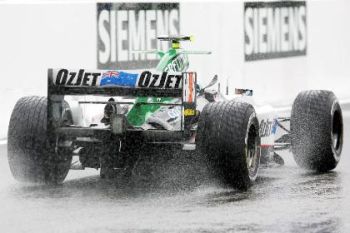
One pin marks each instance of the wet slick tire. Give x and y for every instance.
(228, 134)
(32, 158)
(316, 130)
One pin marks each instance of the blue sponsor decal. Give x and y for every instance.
(116, 78)
(274, 127)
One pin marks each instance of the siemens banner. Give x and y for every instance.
(274, 29)
(124, 30)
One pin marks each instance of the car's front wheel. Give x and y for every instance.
(317, 130)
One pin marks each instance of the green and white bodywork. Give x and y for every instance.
(173, 60)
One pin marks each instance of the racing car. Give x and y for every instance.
(165, 107)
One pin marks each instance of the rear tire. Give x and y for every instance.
(228, 134)
(32, 158)
(317, 130)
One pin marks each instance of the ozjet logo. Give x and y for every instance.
(65, 77)
(274, 29)
(163, 80)
(125, 28)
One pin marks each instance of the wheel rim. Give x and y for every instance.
(65, 120)
(337, 131)
(252, 152)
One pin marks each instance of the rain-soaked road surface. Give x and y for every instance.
(179, 197)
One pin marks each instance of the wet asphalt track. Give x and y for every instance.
(179, 196)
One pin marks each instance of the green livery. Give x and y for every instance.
(175, 60)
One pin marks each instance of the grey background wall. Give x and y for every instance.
(37, 36)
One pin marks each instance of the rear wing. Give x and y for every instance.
(141, 83)
(116, 83)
